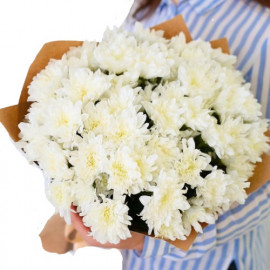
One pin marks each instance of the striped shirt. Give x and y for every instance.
(239, 234)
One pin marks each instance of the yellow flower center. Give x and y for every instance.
(107, 214)
(121, 133)
(93, 124)
(165, 199)
(83, 92)
(90, 160)
(162, 148)
(119, 171)
(188, 167)
(194, 81)
(62, 120)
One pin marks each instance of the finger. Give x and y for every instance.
(76, 220)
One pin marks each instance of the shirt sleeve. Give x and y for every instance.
(129, 21)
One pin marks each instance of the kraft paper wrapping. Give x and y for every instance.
(11, 116)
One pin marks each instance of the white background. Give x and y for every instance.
(24, 27)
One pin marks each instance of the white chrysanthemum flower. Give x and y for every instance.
(166, 199)
(175, 47)
(230, 100)
(30, 131)
(128, 78)
(214, 189)
(165, 148)
(122, 99)
(153, 61)
(98, 117)
(226, 60)
(53, 160)
(197, 49)
(191, 163)
(90, 159)
(240, 164)
(147, 35)
(128, 127)
(124, 173)
(196, 215)
(237, 100)
(45, 83)
(146, 164)
(195, 115)
(108, 220)
(82, 56)
(256, 142)
(152, 53)
(59, 194)
(178, 43)
(236, 190)
(230, 76)
(85, 85)
(166, 114)
(172, 90)
(32, 147)
(146, 93)
(64, 119)
(83, 194)
(200, 77)
(37, 115)
(227, 137)
(251, 109)
(116, 52)
(174, 230)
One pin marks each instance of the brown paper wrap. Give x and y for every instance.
(10, 117)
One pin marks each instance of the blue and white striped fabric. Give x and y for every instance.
(239, 234)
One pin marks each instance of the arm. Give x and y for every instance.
(53, 237)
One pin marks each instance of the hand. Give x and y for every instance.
(52, 236)
(135, 242)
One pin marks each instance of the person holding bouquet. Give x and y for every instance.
(238, 239)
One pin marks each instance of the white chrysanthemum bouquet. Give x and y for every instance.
(143, 133)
